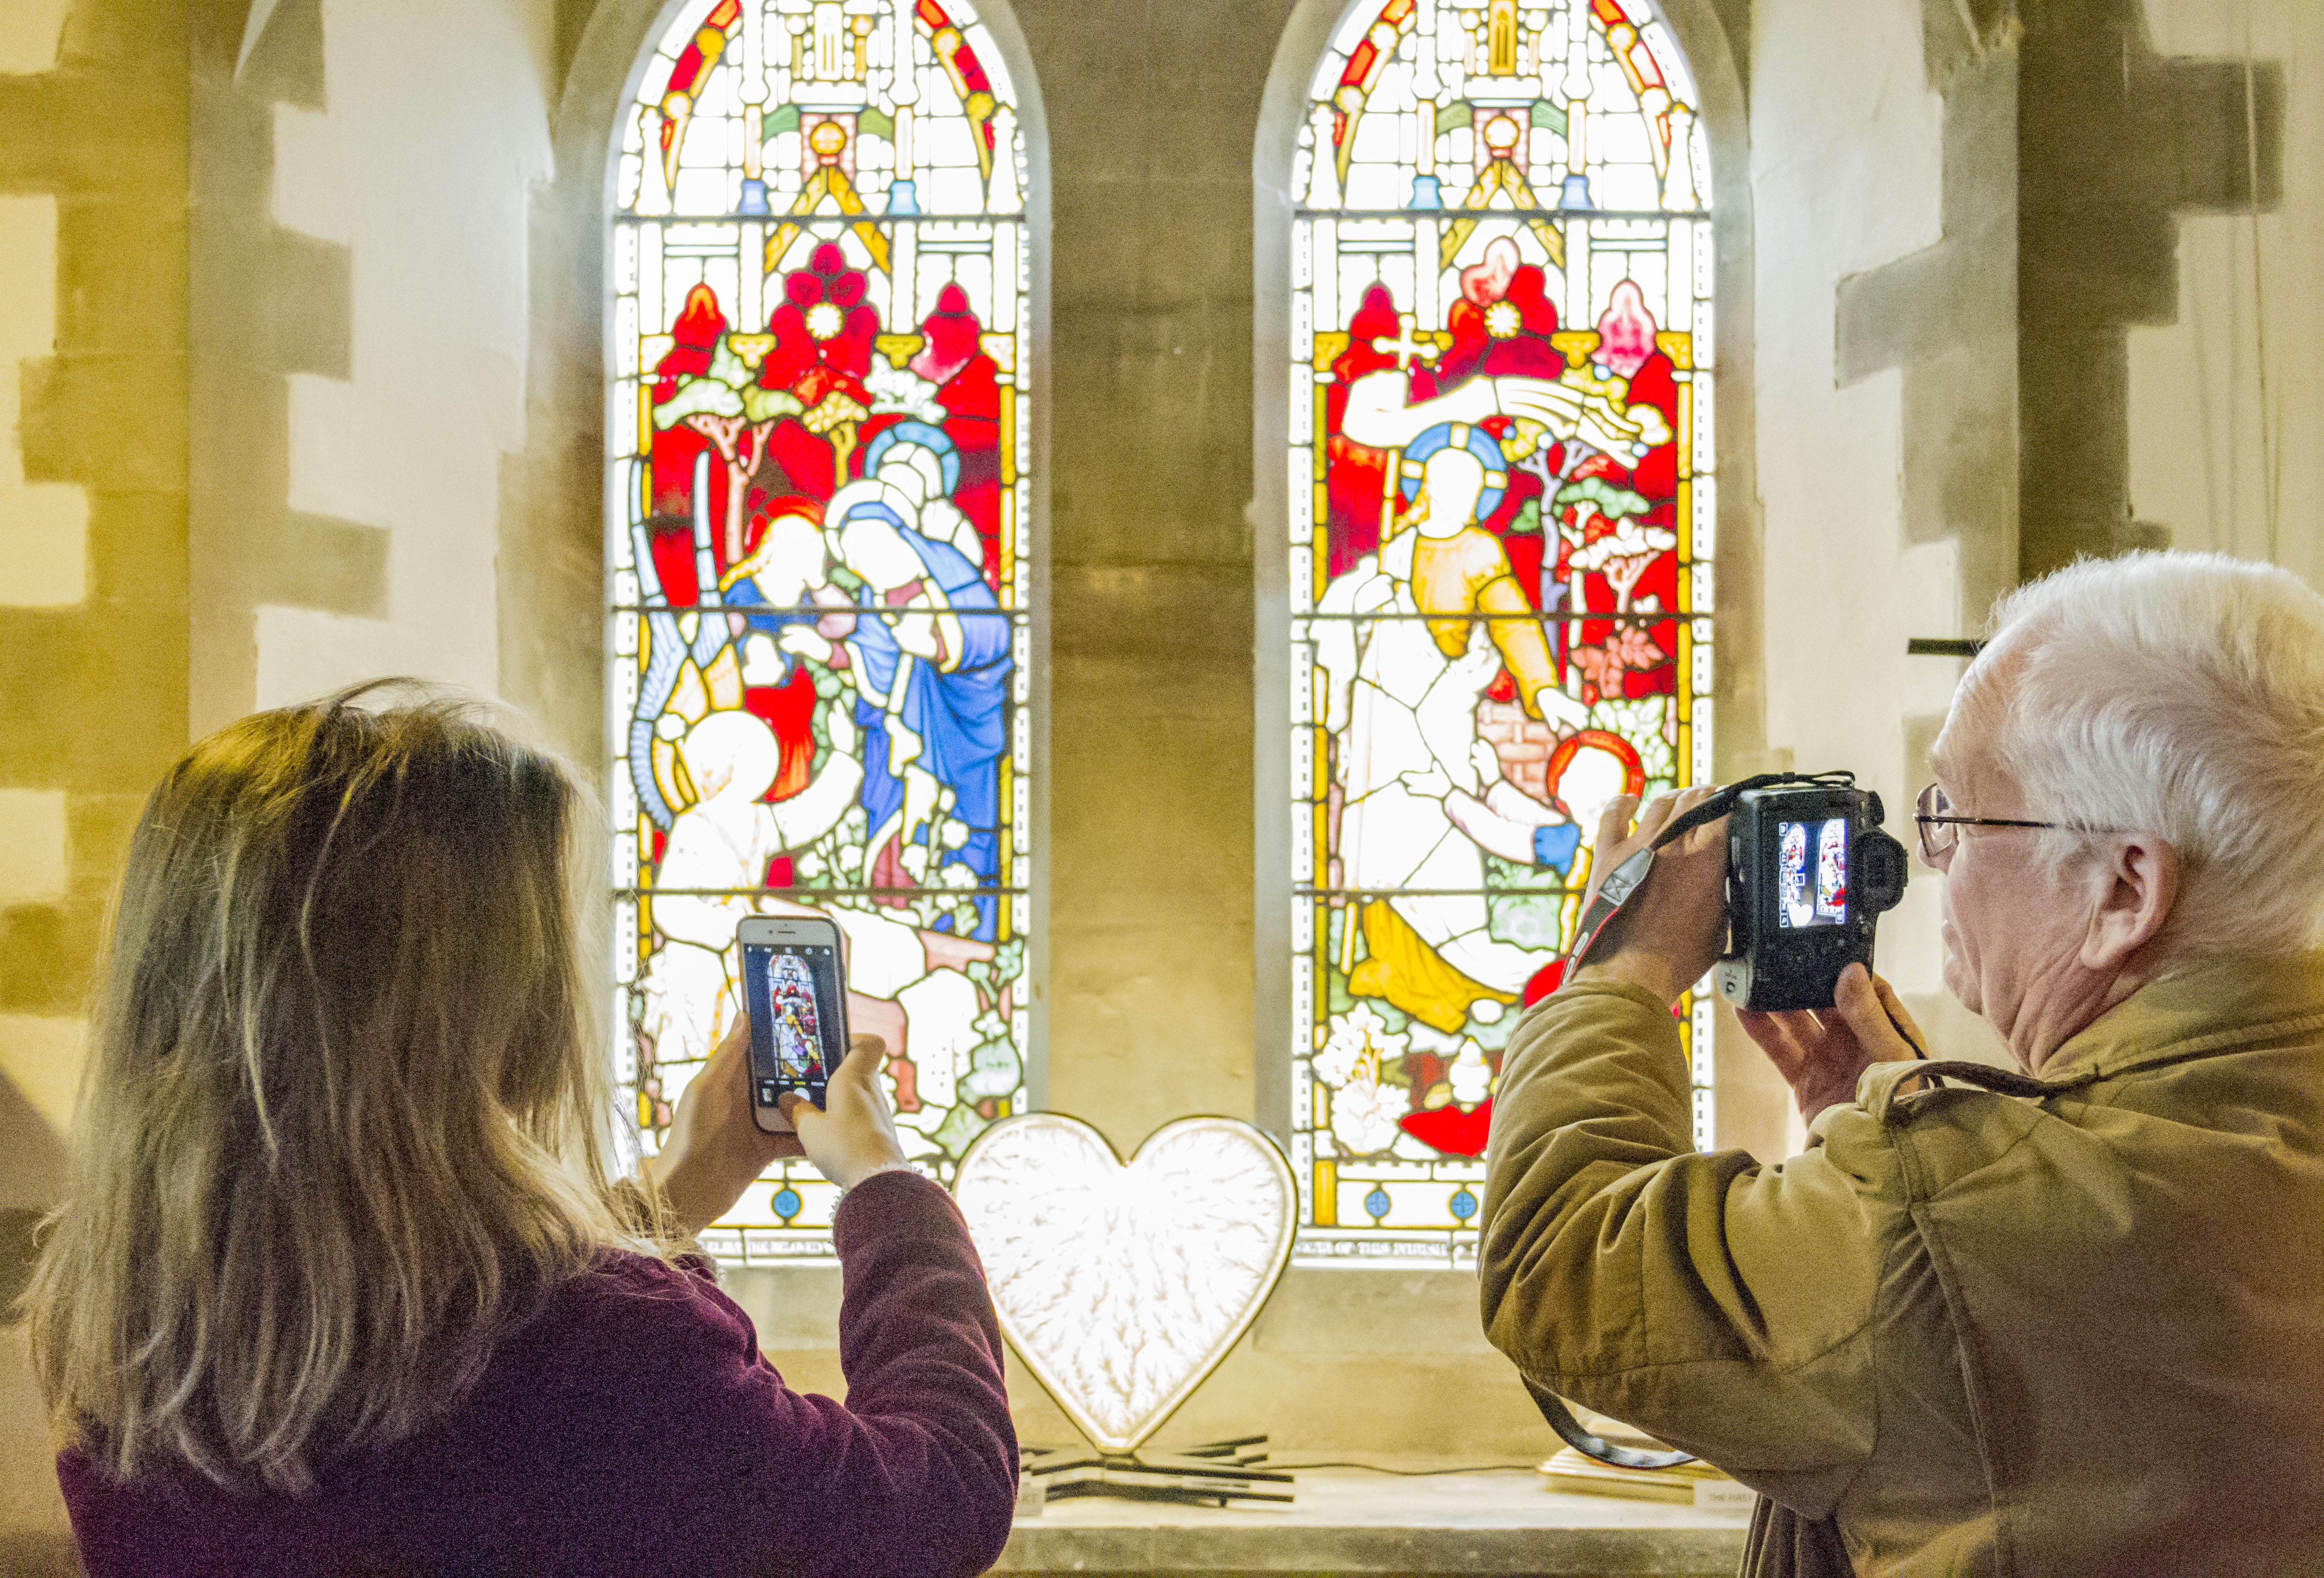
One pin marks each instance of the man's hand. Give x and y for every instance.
(1822, 1052)
(1674, 925)
(716, 1148)
(855, 1135)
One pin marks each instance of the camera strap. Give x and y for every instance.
(1623, 883)
(1575, 1434)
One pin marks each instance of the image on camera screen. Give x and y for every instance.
(795, 990)
(1821, 900)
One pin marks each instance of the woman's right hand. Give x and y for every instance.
(853, 1136)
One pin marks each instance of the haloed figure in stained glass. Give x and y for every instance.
(1424, 797)
(1500, 276)
(816, 522)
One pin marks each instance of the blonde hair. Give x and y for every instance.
(343, 1117)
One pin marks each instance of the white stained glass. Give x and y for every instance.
(825, 395)
(1438, 855)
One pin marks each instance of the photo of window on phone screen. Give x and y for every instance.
(798, 1009)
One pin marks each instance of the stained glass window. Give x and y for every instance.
(815, 516)
(1500, 524)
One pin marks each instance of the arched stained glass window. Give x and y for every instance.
(816, 509)
(1501, 519)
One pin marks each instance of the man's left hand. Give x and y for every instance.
(1666, 938)
(1822, 1053)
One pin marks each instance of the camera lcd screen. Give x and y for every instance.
(797, 1018)
(1812, 887)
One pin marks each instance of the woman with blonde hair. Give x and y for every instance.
(343, 1283)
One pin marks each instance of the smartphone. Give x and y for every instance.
(795, 992)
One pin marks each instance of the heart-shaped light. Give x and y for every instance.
(1124, 1286)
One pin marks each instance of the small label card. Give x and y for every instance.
(1724, 1496)
(1032, 1496)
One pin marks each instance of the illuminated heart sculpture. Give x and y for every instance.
(1124, 1286)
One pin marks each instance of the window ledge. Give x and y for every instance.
(1346, 1521)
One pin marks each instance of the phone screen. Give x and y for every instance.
(1811, 878)
(798, 1018)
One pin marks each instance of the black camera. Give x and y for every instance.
(1808, 871)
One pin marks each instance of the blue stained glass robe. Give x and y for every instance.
(960, 713)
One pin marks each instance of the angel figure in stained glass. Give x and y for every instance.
(722, 841)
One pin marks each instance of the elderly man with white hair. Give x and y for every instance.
(2064, 1319)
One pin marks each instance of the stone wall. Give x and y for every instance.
(93, 599)
(1883, 140)
(377, 155)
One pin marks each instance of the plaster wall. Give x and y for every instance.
(43, 538)
(1848, 174)
(435, 124)
(2225, 400)
(31, 33)
(41, 527)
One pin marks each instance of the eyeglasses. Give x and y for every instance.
(1939, 826)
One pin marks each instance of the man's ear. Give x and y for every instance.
(2138, 885)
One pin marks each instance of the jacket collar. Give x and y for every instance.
(2218, 1007)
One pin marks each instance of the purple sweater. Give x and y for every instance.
(635, 1429)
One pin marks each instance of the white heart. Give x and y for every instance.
(1122, 1288)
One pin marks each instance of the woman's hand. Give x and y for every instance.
(1676, 925)
(1821, 1053)
(714, 1148)
(853, 1136)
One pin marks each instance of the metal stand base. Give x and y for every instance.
(1219, 1472)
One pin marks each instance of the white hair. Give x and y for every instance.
(2182, 695)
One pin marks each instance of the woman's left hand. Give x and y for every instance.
(714, 1148)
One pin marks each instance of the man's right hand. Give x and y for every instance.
(1821, 1053)
(853, 1136)
(1674, 925)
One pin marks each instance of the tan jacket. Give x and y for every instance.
(2075, 1330)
